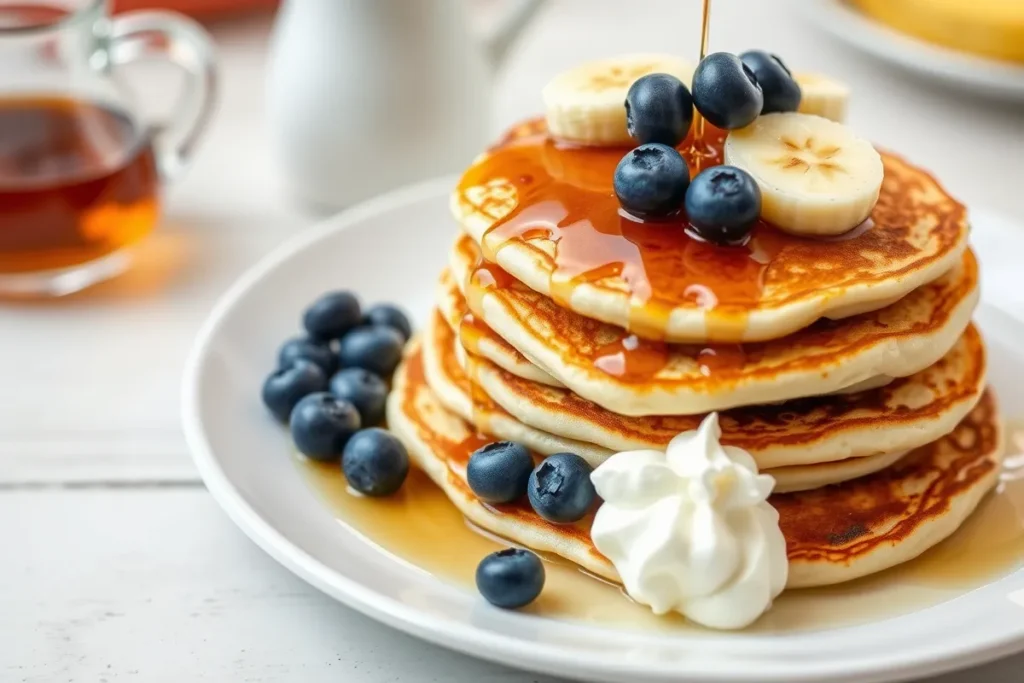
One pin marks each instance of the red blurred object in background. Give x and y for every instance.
(200, 9)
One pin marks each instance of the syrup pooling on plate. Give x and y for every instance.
(990, 545)
(560, 200)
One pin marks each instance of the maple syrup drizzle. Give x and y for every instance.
(712, 359)
(700, 154)
(630, 358)
(471, 332)
(483, 276)
(471, 444)
(563, 196)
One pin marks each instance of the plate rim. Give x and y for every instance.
(472, 641)
(1004, 80)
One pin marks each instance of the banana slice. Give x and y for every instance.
(816, 177)
(822, 96)
(586, 104)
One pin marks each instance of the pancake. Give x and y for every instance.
(632, 376)
(547, 214)
(446, 377)
(833, 534)
(479, 339)
(457, 393)
(906, 413)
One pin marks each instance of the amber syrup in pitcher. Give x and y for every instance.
(78, 181)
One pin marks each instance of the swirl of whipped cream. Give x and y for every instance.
(691, 530)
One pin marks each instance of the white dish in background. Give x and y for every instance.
(390, 249)
(988, 76)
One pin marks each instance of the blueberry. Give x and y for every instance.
(375, 462)
(388, 316)
(651, 181)
(560, 488)
(780, 89)
(377, 349)
(304, 348)
(288, 385)
(510, 578)
(723, 204)
(659, 108)
(363, 389)
(726, 92)
(332, 315)
(322, 425)
(499, 472)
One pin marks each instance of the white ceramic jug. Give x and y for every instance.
(366, 95)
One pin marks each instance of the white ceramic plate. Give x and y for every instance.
(988, 76)
(391, 249)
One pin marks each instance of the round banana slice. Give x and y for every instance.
(822, 96)
(816, 177)
(587, 104)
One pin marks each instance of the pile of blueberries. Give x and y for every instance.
(559, 490)
(652, 181)
(331, 387)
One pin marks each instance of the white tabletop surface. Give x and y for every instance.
(117, 564)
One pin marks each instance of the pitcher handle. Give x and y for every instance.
(144, 35)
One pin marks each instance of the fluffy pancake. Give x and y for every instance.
(548, 215)
(632, 376)
(481, 340)
(906, 413)
(789, 457)
(445, 376)
(833, 534)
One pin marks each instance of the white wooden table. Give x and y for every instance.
(117, 565)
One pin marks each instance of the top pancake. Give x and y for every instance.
(547, 214)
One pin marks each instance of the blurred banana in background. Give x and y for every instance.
(988, 28)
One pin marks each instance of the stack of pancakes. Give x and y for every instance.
(847, 367)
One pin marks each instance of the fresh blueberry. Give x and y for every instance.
(322, 425)
(659, 108)
(377, 349)
(288, 385)
(499, 472)
(363, 389)
(560, 488)
(511, 578)
(388, 316)
(304, 348)
(375, 462)
(726, 92)
(780, 89)
(332, 315)
(651, 181)
(723, 204)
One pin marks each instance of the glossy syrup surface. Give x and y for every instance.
(624, 355)
(419, 525)
(559, 199)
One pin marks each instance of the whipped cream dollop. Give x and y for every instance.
(691, 530)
